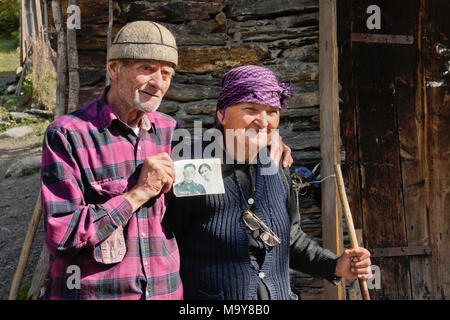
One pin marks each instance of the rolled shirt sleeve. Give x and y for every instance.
(71, 223)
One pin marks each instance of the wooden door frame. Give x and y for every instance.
(329, 136)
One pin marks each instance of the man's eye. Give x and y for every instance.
(148, 68)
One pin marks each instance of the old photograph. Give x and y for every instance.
(198, 177)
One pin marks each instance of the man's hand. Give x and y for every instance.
(354, 263)
(278, 149)
(157, 176)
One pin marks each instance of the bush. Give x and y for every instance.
(9, 17)
(15, 37)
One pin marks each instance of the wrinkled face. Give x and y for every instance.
(189, 173)
(143, 84)
(205, 173)
(254, 121)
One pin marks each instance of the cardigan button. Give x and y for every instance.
(250, 201)
(261, 275)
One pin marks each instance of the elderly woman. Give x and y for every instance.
(241, 244)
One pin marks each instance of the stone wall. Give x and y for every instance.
(214, 36)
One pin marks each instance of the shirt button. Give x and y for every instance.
(251, 201)
(261, 275)
(143, 234)
(139, 148)
(145, 263)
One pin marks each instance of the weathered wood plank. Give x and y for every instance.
(413, 164)
(329, 135)
(436, 54)
(382, 200)
(348, 118)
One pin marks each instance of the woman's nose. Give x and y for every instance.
(262, 119)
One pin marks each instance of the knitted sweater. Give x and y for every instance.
(214, 242)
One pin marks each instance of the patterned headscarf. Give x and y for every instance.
(252, 84)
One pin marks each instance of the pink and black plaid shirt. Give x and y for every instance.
(89, 159)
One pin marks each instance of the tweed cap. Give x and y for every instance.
(144, 40)
(252, 84)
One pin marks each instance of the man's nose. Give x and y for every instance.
(156, 79)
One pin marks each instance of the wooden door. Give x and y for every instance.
(384, 129)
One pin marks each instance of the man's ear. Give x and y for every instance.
(113, 69)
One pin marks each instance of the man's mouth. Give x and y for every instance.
(148, 93)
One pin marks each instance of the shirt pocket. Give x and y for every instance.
(112, 249)
(109, 188)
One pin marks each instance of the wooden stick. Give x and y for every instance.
(26, 249)
(350, 226)
(109, 39)
(40, 275)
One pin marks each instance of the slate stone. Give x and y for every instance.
(169, 107)
(21, 116)
(247, 9)
(24, 166)
(205, 59)
(191, 92)
(173, 12)
(17, 132)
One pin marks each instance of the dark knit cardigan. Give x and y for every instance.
(214, 244)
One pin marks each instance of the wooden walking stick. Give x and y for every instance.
(350, 226)
(26, 248)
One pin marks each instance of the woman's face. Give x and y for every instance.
(254, 121)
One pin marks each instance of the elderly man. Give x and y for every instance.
(105, 171)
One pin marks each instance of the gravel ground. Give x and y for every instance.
(17, 200)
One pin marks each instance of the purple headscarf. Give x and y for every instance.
(252, 84)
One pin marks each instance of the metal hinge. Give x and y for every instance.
(401, 251)
(382, 38)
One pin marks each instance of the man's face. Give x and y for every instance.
(189, 173)
(255, 121)
(143, 84)
(205, 173)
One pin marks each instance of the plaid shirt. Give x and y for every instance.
(89, 159)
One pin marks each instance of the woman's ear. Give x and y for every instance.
(220, 114)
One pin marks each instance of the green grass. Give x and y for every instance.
(9, 56)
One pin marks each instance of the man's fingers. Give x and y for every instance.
(287, 157)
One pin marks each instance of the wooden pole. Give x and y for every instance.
(41, 274)
(110, 26)
(350, 226)
(61, 67)
(26, 249)
(329, 136)
(72, 59)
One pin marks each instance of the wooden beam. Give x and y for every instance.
(329, 136)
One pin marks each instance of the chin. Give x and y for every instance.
(146, 107)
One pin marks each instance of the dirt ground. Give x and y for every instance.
(18, 197)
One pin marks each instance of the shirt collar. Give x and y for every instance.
(108, 115)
